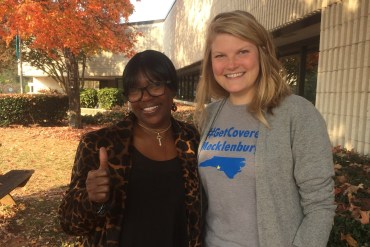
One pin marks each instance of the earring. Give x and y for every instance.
(174, 107)
(129, 108)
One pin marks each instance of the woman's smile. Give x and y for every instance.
(234, 75)
(150, 109)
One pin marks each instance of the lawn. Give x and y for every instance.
(50, 152)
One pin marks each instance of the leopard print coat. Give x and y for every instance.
(78, 216)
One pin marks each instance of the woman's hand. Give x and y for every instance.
(98, 181)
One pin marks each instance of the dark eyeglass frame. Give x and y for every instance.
(148, 89)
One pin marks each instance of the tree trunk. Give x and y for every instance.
(82, 82)
(73, 90)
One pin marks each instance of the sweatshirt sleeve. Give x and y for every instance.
(313, 172)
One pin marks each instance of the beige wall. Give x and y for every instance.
(343, 88)
(185, 26)
(184, 31)
(28, 70)
(44, 83)
(112, 65)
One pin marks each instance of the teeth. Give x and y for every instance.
(152, 108)
(234, 75)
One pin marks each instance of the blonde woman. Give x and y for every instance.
(265, 157)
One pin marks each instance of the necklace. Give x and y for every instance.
(156, 131)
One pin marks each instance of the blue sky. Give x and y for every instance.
(147, 10)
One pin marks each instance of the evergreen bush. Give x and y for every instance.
(110, 97)
(89, 98)
(106, 118)
(26, 109)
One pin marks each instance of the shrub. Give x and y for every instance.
(89, 120)
(185, 116)
(89, 98)
(49, 91)
(352, 196)
(27, 109)
(13, 109)
(110, 97)
(106, 118)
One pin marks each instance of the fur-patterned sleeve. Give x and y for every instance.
(76, 213)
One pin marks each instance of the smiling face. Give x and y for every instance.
(153, 112)
(235, 65)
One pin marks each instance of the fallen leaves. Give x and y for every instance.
(50, 151)
(348, 238)
(352, 194)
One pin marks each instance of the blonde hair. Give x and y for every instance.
(271, 87)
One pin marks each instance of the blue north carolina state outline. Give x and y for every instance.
(229, 165)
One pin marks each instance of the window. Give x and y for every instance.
(301, 73)
(188, 80)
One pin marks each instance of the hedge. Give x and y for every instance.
(27, 109)
(110, 97)
(88, 98)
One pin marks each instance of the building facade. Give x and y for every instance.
(323, 44)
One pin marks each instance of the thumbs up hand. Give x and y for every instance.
(98, 181)
(103, 157)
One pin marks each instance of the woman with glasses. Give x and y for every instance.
(136, 183)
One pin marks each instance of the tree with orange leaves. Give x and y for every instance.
(66, 32)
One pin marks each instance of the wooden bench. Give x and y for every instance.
(11, 180)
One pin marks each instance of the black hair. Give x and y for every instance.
(151, 64)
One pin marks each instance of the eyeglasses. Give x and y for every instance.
(154, 89)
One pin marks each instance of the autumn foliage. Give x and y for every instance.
(63, 33)
(88, 26)
(352, 196)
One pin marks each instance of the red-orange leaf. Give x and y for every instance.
(349, 239)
